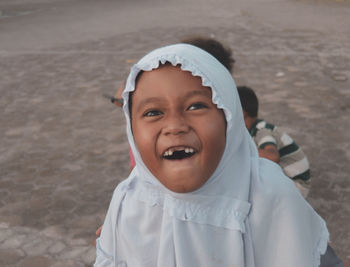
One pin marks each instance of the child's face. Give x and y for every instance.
(178, 131)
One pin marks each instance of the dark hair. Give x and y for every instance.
(249, 101)
(215, 48)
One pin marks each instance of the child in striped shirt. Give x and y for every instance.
(275, 144)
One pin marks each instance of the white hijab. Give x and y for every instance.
(247, 214)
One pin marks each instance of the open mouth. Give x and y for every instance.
(178, 153)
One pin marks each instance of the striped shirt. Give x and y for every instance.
(292, 159)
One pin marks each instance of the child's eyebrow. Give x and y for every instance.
(153, 100)
(204, 92)
(148, 100)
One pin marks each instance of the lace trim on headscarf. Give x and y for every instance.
(185, 65)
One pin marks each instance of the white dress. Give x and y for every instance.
(247, 214)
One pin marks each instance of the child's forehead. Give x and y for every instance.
(167, 74)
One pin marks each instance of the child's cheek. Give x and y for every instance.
(144, 141)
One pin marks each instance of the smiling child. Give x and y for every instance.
(170, 115)
(199, 195)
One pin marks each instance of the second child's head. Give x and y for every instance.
(249, 100)
(250, 104)
(179, 108)
(215, 48)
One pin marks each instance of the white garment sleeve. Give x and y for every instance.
(106, 244)
(103, 259)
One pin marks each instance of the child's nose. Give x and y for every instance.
(176, 125)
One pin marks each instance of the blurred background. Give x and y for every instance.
(63, 147)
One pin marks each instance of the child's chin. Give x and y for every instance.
(182, 190)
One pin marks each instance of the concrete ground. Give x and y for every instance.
(63, 147)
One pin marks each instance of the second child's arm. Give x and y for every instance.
(269, 152)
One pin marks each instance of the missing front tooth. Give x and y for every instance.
(181, 154)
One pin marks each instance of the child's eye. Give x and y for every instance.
(152, 113)
(197, 106)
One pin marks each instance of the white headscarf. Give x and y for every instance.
(247, 214)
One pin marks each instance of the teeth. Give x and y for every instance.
(171, 151)
(189, 150)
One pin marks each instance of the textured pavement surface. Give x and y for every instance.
(63, 147)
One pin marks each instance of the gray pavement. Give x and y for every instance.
(63, 147)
